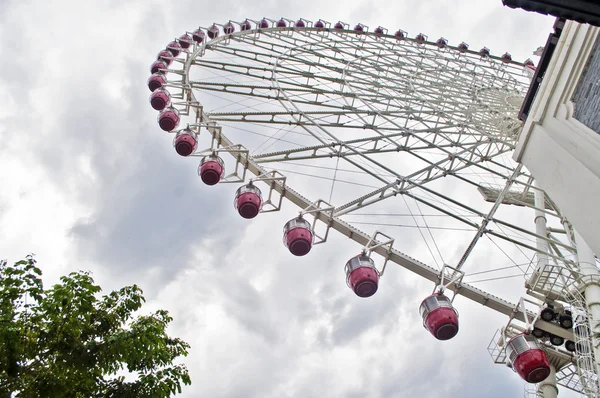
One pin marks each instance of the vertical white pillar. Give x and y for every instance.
(541, 244)
(591, 280)
(540, 228)
(548, 388)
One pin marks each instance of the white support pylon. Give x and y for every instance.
(541, 230)
(590, 277)
(548, 388)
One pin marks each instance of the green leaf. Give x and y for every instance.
(67, 341)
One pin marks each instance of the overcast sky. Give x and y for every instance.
(90, 182)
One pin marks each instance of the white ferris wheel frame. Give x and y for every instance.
(496, 133)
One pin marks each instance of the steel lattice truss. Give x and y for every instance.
(369, 124)
(362, 97)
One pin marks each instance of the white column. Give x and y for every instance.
(541, 244)
(591, 281)
(540, 229)
(548, 387)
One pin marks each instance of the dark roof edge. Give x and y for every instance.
(540, 71)
(582, 11)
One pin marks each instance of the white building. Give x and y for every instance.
(560, 141)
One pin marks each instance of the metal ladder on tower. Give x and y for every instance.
(584, 350)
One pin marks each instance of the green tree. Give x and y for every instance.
(68, 341)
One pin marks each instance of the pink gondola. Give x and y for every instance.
(400, 34)
(185, 142)
(198, 36)
(168, 119)
(160, 99)
(439, 317)
(264, 24)
(166, 56)
(158, 66)
(174, 48)
(212, 31)
(527, 358)
(362, 276)
(245, 25)
(211, 169)
(228, 28)
(185, 41)
(441, 42)
(156, 81)
(248, 201)
(298, 236)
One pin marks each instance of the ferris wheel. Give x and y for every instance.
(381, 136)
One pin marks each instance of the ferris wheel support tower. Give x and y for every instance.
(559, 144)
(590, 284)
(549, 387)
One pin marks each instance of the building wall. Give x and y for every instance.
(562, 153)
(587, 93)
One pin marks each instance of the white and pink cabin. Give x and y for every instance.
(211, 169)
(439, 317)
(362, 276)
(298, 236)
(248, 201)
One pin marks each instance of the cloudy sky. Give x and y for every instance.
(90, 182)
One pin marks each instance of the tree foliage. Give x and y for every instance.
(68, 341)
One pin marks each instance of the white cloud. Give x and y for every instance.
(89, 181)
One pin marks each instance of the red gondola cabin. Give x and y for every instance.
(198, 36)
(228, 28)
(166, 56)
(211, 169)
(174, 48)
(400, 34)
(168, 119)
(186, 142)
(248, 201)
(245, 25)
(439, 317)
(160, 99)
(212, 31)
(298, 236)
(185, 40)
(158, 66)
(156, 81)
(527, 358)
(421, 38)
(362, 276)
